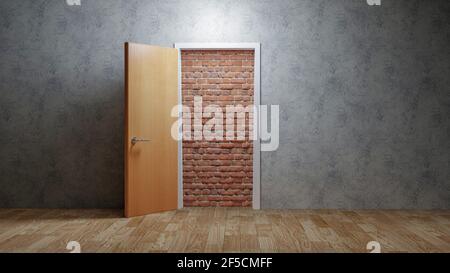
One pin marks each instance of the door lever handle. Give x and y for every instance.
(135, 140)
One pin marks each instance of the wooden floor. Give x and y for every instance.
(225, 230)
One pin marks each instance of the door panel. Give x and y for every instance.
(151, 163)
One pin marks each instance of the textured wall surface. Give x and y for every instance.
(218, 170)
(363, 93)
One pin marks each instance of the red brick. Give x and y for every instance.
(218, 173)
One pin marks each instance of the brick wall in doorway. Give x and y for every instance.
(219, 172)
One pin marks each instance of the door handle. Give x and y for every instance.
(135, 140)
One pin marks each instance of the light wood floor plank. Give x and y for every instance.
(225, 230)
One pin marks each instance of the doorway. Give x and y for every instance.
(223, 171)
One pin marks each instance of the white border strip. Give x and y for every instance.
(256, 120)
(180, 136)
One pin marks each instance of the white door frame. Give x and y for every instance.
(256, 201)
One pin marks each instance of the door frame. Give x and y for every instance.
(256, 200)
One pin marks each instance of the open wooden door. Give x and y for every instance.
(151, 154)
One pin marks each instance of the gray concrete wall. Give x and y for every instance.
(364, 94)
